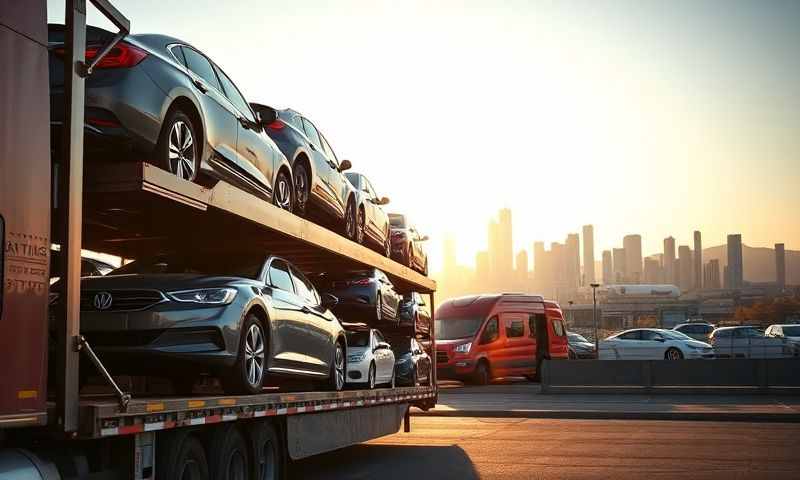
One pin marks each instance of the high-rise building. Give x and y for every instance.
(618, 255)
(668, 261)
(735, 267)
(588, 255)
(493, 251)
(558, 264)
(539, 263)
(780, 265)
(698, 261)
(685, 274)
(652, 270)
(726, 279)
(505, 254)
(521, 269)
(711, 274)
(608, 268)
(481, 268)
(633, 258)
(572, 259)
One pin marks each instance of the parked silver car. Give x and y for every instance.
(749, 342)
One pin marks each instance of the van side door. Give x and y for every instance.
(559, 343)
(517, 355)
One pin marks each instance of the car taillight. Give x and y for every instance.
(276, 125)
(123, 55)
(361, 283)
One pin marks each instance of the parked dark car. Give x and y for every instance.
(373, 222)
(412, 365)
(322, 192)
(407, 245)
(415, 316)
(697, 330)
(579, 347)
(242, 317)
(366, 296)
(157, 98)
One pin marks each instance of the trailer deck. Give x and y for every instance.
(134, 209)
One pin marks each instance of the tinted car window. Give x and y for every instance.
(491, 332)
(558, 328)
(304, 288)
(722, 334)
(634, 335)
(650, 335)
(357, 339)
(279, 276)
(515, 328)
(177, 52)
(312, 134)
(235, 96)
(201, 66)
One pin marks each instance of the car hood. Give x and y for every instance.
(165, 281)
(586, 345)
(697, 344)
(450, 343)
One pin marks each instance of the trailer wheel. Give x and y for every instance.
(266, 451)
(180, 455)
(229, 456)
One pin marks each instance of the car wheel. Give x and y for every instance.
(371, 377)
(247, 376)
(282, 193)
(301, 189)
(177, 150)
(673, 354)
(351, 222)
(482, 375)
(379, 308)
(337, 369)
(361, 226)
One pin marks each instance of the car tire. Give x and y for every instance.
(180, 454)
(302, 189)
(351, 222)
(231, 455)
(482, 375)
(249, 371)
(673, 353)
(283, 192)
(175, 152)
(336, 378)
(361, 226)
(371, 377)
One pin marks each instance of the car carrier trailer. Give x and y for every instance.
(132, 209)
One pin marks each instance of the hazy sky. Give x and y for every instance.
(651, 117)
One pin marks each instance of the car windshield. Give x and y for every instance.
(247, 266)
(793, 331)
(398, 221)
(455, 328)
(358, 339)
(576, 338)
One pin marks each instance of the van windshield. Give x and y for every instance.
(455, 328)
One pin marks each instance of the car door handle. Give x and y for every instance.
(200, 85)
(251, 152)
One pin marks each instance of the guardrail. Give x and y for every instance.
(665, 376)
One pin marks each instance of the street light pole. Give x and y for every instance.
(594, 319)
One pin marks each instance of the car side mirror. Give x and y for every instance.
(329, 301)
(345, 165)
(265, 114)
(383, 201)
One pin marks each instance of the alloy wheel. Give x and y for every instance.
(181, 151)
(283, 193)
(254, 355)
(339, 367)
(300, 189)
(371, 376)
(350, 222)
(361, 227)
(379, 308)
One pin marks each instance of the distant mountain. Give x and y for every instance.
(759, 263)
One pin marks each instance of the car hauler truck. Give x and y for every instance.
(129, 210)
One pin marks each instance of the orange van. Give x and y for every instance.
(482, 337)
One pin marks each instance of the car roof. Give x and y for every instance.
(736, 327)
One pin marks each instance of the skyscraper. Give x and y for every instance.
(558, 265)
(780, 265)
(481, 268)
(539, 263)
(619, 265)
(652, 270)
(711, 274)
(735, 270)
(633, 258)
(669, 261)
(492, 253)
(572, 259)
(505, 253)
(588, 255)
(608, 268)
(521, 269)
(698, 261)
(685, 275)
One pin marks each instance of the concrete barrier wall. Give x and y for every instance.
(646, 375)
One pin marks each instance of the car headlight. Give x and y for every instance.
(463, 348)
(206, 296)
(356, 358)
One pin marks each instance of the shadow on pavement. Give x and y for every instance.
(387, 462)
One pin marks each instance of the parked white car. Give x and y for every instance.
(749, 342)
(653, 344)
(790, 332)
(370, 360)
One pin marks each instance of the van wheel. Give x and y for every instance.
(267, 455)
(180, 455)
(231, 458)
(482, 375)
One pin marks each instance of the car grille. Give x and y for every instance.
(441, 356)
(122, 300)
